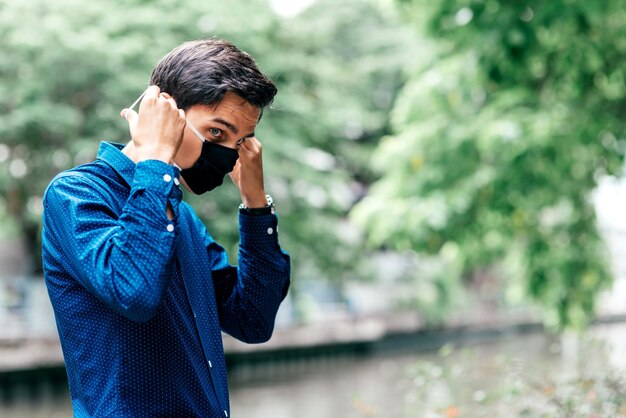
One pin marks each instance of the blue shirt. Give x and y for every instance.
(140, 300)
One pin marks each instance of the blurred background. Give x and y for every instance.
(449, 176)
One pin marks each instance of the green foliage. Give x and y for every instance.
(70, 66)
(512, 114)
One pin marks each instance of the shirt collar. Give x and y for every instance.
(111, 153)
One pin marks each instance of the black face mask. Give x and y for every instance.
(208, 172)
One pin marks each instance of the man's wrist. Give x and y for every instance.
(255, 202)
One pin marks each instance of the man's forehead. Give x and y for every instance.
(233, 110)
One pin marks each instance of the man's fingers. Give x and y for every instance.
(250, 145)
(169, 99)
(130, 116)
(254, 143)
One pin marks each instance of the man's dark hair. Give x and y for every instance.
(201, 72)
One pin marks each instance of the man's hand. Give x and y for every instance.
(157, 130)
(248, 173)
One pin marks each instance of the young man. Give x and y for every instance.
(140, 289)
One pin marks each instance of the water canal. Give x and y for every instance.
(382, 384)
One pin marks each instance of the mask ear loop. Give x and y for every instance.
(138, 100)
(195, 131)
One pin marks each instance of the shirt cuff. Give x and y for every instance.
(258, 229)
(158, 177)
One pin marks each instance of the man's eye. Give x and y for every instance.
(215, 132)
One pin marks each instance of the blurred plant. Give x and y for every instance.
(513, 113)
(467, 384)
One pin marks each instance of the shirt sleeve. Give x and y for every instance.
(249, 295)
(125, 259)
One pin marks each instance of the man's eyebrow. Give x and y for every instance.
(229, 125)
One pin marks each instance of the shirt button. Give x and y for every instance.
(167, 178)
(170, 228)
(225, 413)
(210, 364)
(176, 182)
(270, 231)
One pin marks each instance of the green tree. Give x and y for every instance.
(510, 117)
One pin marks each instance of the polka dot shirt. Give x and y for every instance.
(140, 300)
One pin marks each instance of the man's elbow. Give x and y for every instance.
(258, 338)
(258, 333)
